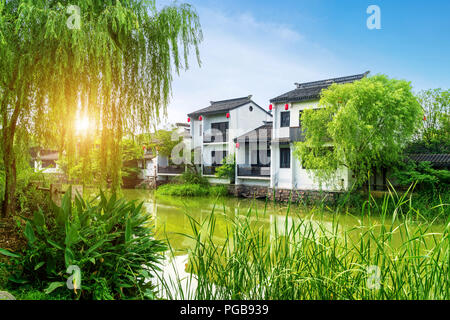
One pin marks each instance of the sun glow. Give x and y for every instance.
(82, 125)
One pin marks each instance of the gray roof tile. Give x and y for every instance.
(311, 90)
(224, 106)
(437, 160)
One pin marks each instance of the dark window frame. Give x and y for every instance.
(285, 158)
(223, 127)
(223, 153)
(285, 119)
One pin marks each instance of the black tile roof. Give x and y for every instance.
(311, 90)
(263, 133)
(224, 106)
(437, 160)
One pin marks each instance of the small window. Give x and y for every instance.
(200, 130)
(285, 119)
(285, 158)
(250, 108)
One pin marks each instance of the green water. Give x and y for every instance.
(172, 223)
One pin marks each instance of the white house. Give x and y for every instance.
(45, 161)
(253, 156)
(214, 129)
(287, 172)
(164, 169)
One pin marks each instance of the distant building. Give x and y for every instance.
(44, 160)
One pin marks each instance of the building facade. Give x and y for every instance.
(287, 171)
(215, 128)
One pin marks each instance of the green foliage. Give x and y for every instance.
(228, 168)
(183, 190)
(163, 142)
(116, 67)
(424, 175)
(220, 190)
(28, 199)
(192, 177)
(192, 190)
(367, 122)
(37, 295)
(434, 134)
(108, 239)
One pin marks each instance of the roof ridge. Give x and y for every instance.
(331, 80)
(234, 99)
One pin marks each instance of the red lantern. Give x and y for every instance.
(228, 115)
(189, 119)
(237, 145)
(200, 118)
(286, 106)
(270, 107)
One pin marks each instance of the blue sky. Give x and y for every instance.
(263, 47)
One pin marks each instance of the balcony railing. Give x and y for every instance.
(253, 171)
(296, 134)
(210, 170)
(171, 169)
(210, 138)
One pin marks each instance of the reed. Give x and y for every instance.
(306, 259)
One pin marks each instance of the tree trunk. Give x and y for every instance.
(9, 158)
(9, 201)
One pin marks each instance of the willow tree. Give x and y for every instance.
(111, 60)
(361, 126)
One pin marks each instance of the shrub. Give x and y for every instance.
(227, 169)
(109, 240)
(191, 190)
(191, 177)
(219, 190)
(424, 175)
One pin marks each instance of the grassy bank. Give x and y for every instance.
(192, 190)
(305, 259)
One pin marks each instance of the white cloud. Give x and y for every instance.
(242, 55)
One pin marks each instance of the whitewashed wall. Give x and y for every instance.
(297, 177)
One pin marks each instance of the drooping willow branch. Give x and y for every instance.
(117, 68)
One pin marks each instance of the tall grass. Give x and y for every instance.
(298, 258)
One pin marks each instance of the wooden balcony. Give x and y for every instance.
(210, 138)
(210, 170)
(253, 171)
(173, 169)
(296, 134)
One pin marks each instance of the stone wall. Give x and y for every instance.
(283, 195)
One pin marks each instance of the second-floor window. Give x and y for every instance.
(285, 119)
(219, 131)
(218, 156)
